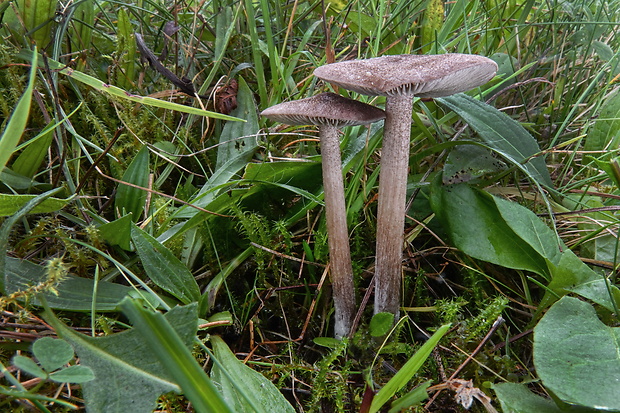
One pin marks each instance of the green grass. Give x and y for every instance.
(227, 217)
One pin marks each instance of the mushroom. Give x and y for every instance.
(400, 78)
(330, 112)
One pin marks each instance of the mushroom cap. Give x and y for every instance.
(324, 109)
(423, 76)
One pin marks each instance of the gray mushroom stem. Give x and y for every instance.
(392, 203)
(331, 112)
(338, 235)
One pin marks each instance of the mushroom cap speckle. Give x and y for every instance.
(324, 109)
(423, 76)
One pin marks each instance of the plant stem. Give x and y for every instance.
(341, 271)
(391, 208)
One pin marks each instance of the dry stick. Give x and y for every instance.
(288, 257)
(117, 134)
(161, 194)
(306, 322)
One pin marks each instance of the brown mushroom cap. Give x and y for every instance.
(324, 109)
(423, 76)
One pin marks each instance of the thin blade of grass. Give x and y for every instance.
(123, 94)
(17, 123)
(7, 225)
(402, 377)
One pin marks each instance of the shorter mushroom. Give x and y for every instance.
(331, 112)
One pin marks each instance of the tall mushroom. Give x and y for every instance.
(331, 112)
(400, 78)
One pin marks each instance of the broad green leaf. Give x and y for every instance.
(413, 398)
(27, 365)
(73, 374)
(163, 268)
(10, 204)
(238, 140)
(30, 159)
(571, 274)
(5, 231)
(468, 162)
(244, 389)
(128, 377)
(529, 228)
(237, 145)
(404, 375)
(605, 134)
(277, 182)
(259, 190)
(505, 233)
(502, 134)
(328, 342)
(118, 232)
(19, 182)
(74, 293)
(506, 65)
(381, 324)
(516, 398)
(476, 227)
(123, 94)
(52, 353)
(577, 357)
(17, 122)
(169, 348)
(38, 16)
(129, 199)
(358, 22)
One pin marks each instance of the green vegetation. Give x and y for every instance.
(164, 247)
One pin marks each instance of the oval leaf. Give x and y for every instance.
(166, 270)
(130, 199)
(52, 353)
(28, 366)
(243, 388)
(502, 134)
(577, 356)
(73, 374)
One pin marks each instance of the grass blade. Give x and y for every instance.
(17, 123)
(8, 224)
(402, 377)
(123, 94)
